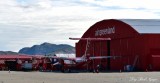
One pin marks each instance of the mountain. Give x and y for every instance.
(8, 53)
(48, 49)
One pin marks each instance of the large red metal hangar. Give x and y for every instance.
(136, 41)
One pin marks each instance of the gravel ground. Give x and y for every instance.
(52, 77)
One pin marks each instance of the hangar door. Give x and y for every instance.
(11, 65)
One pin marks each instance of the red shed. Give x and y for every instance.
(137, 41)
(13, 62)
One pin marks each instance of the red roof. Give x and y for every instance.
(15, 57)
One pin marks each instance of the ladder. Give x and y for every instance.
(86, 50)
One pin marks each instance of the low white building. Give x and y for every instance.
(66, 55)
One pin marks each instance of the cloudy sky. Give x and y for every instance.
(24, 23)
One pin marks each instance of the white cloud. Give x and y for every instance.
(148, 4)
(28, 22)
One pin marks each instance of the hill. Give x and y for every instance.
(48, 49)
(8, 53)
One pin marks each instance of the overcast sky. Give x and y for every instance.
(24, 23)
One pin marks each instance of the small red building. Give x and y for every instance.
(13, 62)
(137, 41)
(19, 62)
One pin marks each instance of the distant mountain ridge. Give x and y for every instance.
(48, 49)
(8, 53)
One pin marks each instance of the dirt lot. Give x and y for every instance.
(52, 77)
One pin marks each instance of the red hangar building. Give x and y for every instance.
(136, 41)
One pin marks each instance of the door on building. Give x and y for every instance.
(11, 65)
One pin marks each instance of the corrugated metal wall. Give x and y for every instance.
(125, 42)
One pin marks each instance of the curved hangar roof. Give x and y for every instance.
(144, 25)
(123, 28)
